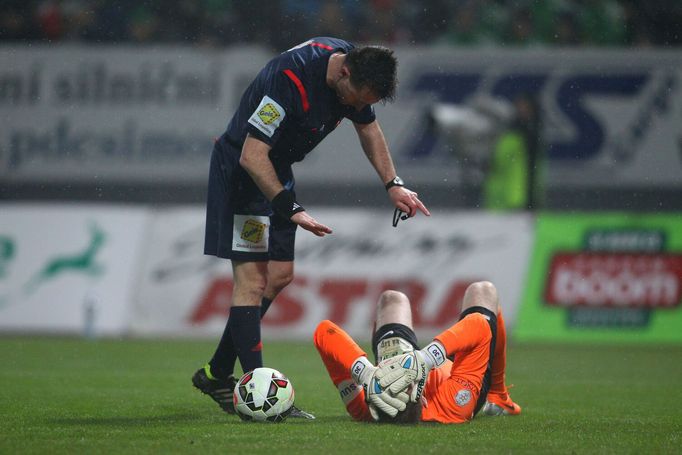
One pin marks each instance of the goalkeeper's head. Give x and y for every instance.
(411, 414)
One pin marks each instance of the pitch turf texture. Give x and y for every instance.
(67, 395)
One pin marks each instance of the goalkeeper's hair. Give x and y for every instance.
(411, 415)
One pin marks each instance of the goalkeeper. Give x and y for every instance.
(459, 374)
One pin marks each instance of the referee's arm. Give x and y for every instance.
(256, 162)
(375, 147)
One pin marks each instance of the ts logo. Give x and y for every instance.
(567, 92)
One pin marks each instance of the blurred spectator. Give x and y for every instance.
(384, 22)
(50, 19)
(653, 23)
(426, 19)
(220, 23)
(566, 32)
(521, 29)
(637, 30)
(466, 27)
(339, 18)
(601, 22)
(514, 180)
(79, 19)
(494, 16)
(143, 26)
(332, 20)
(282, 23)
(297, 20)
(111, 22)
(17, 21)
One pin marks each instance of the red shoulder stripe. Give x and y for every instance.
(323, 46)
(301, 89)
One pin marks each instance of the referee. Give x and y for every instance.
(252, 212)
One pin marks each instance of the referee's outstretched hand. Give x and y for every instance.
(407, 201)
(309, 223)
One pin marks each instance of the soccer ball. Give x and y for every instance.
(263, 395)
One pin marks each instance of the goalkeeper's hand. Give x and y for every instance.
(398, 373)
(378, 399)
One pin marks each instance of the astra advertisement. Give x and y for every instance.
(338, 277)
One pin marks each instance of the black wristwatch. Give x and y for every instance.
(397, 181)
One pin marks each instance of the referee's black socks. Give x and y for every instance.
(244, 324)
(222, 363)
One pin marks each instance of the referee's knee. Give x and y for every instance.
(279, 281)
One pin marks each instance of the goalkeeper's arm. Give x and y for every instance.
(398, 373)
(364, 374)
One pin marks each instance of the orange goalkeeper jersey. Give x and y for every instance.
(451, 391)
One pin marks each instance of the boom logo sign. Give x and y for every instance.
(576, 131)
(621, 277)
(615, 280)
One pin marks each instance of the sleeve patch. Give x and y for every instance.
(267, 116)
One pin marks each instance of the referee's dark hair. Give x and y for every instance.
(374, 67)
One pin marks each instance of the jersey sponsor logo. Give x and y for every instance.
(253, 231)
(267, 116)
(422, 381)
(250, 233)
(463, 397)
(348, 390)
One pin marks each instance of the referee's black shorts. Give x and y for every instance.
(240, 223)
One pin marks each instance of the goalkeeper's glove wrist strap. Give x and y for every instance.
(360, 369)
(433, 354)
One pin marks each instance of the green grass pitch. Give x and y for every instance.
(134, 396)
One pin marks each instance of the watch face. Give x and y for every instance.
(397, 181)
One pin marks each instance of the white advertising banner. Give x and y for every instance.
(69, 268)
(609, 118)
(340, 276)
(80, 113)
(128, 114)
